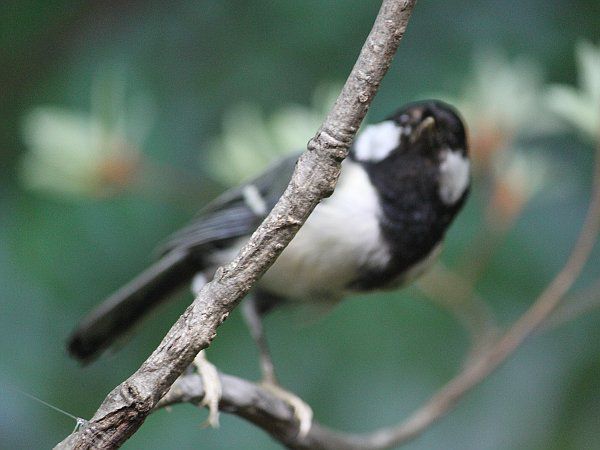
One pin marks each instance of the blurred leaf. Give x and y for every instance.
(580, 107)
(250, 140)
(80, 154)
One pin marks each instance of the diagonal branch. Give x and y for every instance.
(260, 407)
(127, 406)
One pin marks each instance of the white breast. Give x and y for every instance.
(339, 237)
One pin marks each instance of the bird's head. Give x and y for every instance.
(424, 139)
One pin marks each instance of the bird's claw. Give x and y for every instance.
(212, 388)
(302, 411)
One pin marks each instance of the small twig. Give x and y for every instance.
(576, 305)
(127, 406)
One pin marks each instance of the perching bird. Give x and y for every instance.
(404, 181)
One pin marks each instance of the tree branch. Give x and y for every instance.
(260, 407)
(127, 406)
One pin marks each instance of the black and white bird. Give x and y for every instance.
(400, 188)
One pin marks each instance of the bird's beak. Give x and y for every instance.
(425, 128)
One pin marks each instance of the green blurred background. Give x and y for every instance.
(166, 81)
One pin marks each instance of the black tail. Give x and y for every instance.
(118, 313)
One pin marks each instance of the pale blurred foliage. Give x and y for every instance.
(87, 154)
(501, 100)
(99, 153)
(505, 104)
(519, 175)
(580, 107)
(250, 140)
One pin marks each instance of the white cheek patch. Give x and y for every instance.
(376, 142)
(454, 176)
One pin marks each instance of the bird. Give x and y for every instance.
(400, 188)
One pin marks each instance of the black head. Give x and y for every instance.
(417, 161)
(430, 126)
(422, 128)
(423, 142)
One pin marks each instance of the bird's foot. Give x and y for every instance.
(303, 413)
(212, 388)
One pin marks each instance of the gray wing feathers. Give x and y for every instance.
(228, 216)
(182, 256)
(221, 225)
(123, 309)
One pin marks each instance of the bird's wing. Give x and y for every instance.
(235, 213)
